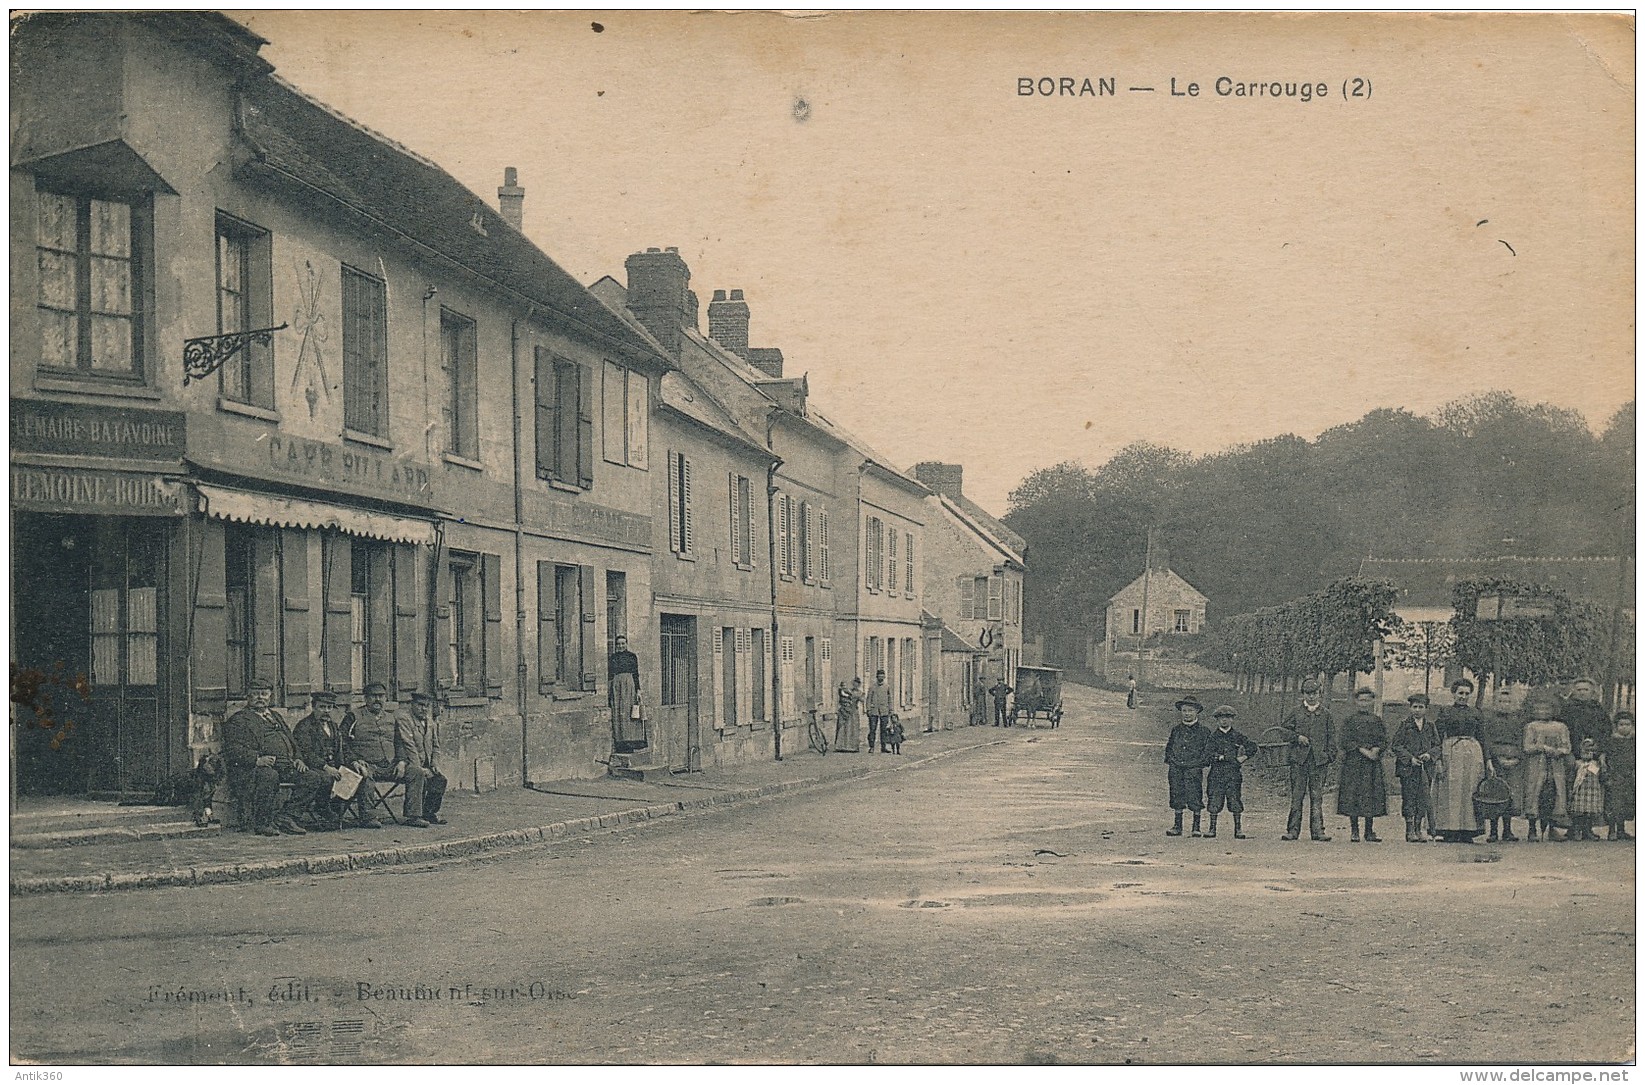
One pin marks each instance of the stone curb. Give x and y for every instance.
(72, 838)
(231, 873)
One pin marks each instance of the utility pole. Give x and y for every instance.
(1142, 643)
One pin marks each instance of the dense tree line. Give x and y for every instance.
(1260, 524)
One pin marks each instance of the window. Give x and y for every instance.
(757, 638)
(625, 406)
(565, 421)
(462, 637)
(908, 671)
(677, 661)
(680, 534)
(365, 354)
(725, 643)
(908, 565)
(566, 627)
(893, 677)
(996, 585)
(245, 300)
(808, 543)
(891, 567)
(90, 286)
(459, 364)
(741, 499)
(874, 553)
(237, 591)
(785, 672)
(1179, 622)
(979, 597)
(823, 560)
(616, 608)
(785, 536)
(1136, 622)
(829, 697)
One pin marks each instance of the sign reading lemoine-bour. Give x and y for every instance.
(69, 489)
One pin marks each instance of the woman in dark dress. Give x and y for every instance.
(1619, 776)
(1461, 766)
(1361, 791)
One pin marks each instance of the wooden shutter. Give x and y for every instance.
(822, 544)
(268, 647)
(614, 413)
(409, 639)
(717, 650)
(687, 540)
(808, 541)
(544, 380)
(968, 602)
(891, 561)
(444, 664)
(735, 505)
(585, 427)
(294, 591)
(586, 650)
(785, 554)
(674, 501)
(491, 590)
(548, 634)
(908, 561)
(209, 651)
(995, 583)
(335, 645)
(380, 645)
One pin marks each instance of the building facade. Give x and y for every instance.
(291, 403)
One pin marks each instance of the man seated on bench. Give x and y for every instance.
(417, 756)
(319, 739)
(368, 744)
(261, 756)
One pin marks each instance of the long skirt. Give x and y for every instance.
(1619, 797)
(1588, 797)
(628, 732)
(1539, 768)
(1454, 792)
(1361, 790)
(845, 730)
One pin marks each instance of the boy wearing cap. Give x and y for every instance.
(1416, 749)
(1619, 776)
(1187, 752)
(1311, 734)
(1224, 783)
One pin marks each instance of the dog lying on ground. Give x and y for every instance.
(195, 789)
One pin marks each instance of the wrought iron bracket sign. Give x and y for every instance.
(205, 355)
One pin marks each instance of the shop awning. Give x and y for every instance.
(241, 507)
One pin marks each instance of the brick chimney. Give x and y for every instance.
(659, 295)
(511, 198)
(728, 326)
(943, 478)
(728, 322)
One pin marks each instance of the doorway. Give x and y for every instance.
(91, 611)
(677, 707)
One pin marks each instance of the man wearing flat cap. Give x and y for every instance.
(319, 739)
(1311, 736)
(261, 755)
(1416, 751)
(1187, 752)
(417, 760)
(368, 743)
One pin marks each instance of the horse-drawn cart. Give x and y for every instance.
(1039, 695)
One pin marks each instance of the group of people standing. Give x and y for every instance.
(883, 726)
(1561, 763)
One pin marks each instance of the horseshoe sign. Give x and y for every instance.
(987, 639)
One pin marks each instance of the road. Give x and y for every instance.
(1014, 904)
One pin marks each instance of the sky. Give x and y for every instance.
(1008, 281)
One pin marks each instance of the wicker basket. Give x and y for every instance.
(1492, 799)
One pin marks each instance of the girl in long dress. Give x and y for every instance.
(1461, 766)
(1361, 790)
(1547, 755)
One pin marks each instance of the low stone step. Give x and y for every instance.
(70, 838)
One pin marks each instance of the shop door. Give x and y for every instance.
(90, 612)
(678, 707)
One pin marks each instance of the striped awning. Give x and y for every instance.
(242, 507)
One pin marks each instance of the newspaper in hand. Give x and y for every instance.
(346, 784)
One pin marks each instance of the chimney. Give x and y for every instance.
(728, 322)
(943, 478)
(768, 360)
(659, 295)
(789, 394)
(511, 198)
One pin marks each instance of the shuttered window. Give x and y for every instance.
(823, 558)
(785, 532)
(740, 499)
(365, 353)
(808, 542)
(681, 533)
(908, 564)
(995, 586)
(565, 420)
(892, 569)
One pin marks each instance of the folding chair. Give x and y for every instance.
(383, 793)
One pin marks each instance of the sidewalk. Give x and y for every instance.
(127, 851)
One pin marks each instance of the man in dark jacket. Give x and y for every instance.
(368, 743)
(1584, 716)
(1225, 783)
(261, 756)
(1000, 692)
(319, 740)
(1187, 752)
(1311, 734)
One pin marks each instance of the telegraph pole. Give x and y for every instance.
(1142, 643)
